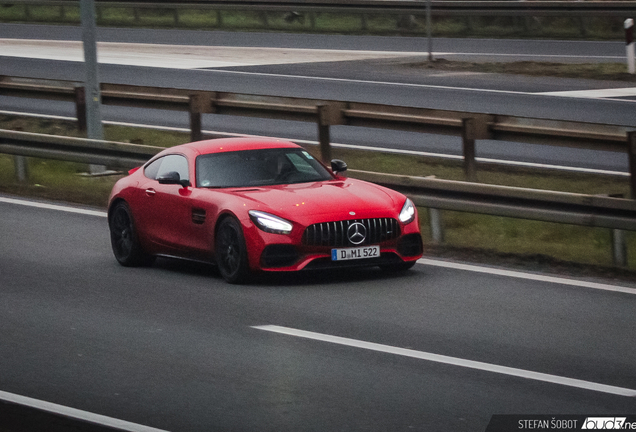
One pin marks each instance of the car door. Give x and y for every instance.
(165, 210)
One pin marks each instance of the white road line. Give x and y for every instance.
(76, 414)
(210, 58)
(384, 83)
(536, 56)
(528, 276)
(56, 207)
(351, 146)
(184, 56)
(402, 84)
(425, 261)
(595, 94)
(488, 367)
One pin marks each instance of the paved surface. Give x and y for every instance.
(181, 56)
(174, 347)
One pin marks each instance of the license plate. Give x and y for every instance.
(355, 253)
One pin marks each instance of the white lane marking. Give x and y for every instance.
(385, 83)
(351, 146)
(209, 58)
(183, 56)
(488, 367)
(397, 84)
(56, 207)
(76, 414)
(537, 56)
(528, 276)
(595, 94)
(425, 261)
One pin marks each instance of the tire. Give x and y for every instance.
(124, 240)
(397, 268)
(231, 253)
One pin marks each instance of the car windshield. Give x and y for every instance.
(258, 168)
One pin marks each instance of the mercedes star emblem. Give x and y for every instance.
(356, 232)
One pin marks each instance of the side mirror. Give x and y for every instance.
(173, 177)
(338, 166)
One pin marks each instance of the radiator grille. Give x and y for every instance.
(335, 234)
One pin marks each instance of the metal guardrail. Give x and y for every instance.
(496, 200)
(549, 206)
(527, 14)
(469, 126)
(617, 214)
(82, 150)
(439, 7)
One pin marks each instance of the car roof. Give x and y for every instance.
(222, 145)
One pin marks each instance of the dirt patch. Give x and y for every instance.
(598, 71)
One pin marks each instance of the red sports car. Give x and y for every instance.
(251, 204)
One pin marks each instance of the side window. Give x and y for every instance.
(151, 170)
(168, 164)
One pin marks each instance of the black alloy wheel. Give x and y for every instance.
(123, 238)
(231, 252)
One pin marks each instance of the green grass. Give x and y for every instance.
(489, 174)
(529, 238)
(601, 71)
(596, 28)
(477, 235)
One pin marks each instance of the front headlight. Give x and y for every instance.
(270, 223)
(408, 212)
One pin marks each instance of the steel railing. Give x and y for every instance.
(460, 8)
(469, 126)
(615, 213)
(549, 206)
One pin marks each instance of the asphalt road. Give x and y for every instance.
(174, 347)
(379, 81)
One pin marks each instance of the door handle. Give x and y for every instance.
(150, 192)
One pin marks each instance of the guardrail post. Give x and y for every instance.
(631, 150)
(323, 133)
(429, 29)
(629, 44)
(619, 248)
(468, 144)
(21, 166)
(195, 109)
(437, 228)
(80, 108)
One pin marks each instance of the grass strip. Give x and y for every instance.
(598, 71)
(560, 27)
(468, 234)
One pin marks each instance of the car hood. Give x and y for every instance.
(323, 201)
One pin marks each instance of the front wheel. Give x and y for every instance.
(123, 238)
(231, 252)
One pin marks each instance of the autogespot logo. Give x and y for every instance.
(607, 423)
(356, 232)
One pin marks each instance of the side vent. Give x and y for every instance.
(198, 216)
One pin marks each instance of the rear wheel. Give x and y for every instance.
(123, 238)
(231, 252)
